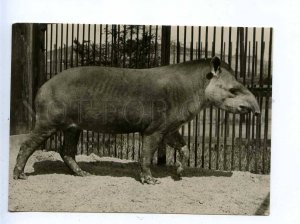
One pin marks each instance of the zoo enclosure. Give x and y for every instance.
(216, 139)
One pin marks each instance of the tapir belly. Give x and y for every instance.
(116, 117)
(111, 115)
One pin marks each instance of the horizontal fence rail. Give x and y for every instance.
(216, 139)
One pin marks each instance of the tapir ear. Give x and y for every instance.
(209, 75)
(215, 62)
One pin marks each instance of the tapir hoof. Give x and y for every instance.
(18, 174)
(179, 171)
(148, 179)
(82, 173)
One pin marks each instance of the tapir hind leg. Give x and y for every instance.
(69, 150)
(150, 145)
(40, 134)
(176, 141)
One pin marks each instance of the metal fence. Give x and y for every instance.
(216, 139)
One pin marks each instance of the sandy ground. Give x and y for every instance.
(114, 187)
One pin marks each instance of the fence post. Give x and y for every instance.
(165, 60)
(27, 73)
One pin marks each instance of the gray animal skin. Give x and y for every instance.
(154, 102)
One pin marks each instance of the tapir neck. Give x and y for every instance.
(188, 90)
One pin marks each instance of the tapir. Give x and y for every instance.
(155, 102)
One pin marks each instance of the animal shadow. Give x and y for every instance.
(120, 169)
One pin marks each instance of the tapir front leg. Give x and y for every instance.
(176, 141)
(150, 145)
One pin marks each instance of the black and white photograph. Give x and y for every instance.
(140, 118)
(149, 111)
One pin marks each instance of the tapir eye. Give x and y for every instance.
(209, 75)
(234, 91)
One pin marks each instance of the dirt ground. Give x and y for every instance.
(114, 187)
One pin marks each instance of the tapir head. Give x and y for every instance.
(225, 92)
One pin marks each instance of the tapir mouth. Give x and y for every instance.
(246, 109)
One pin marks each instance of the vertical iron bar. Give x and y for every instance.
(266, 129)
(67, 47)
(249, 63)
(46, 68)
(225, 141)
(178, 47)
(103, 144)
(51, 68)
(106, 44)
(56, 39)
(144, 42)
(203, 138)
(83, 51)
(184, 59)
(234, 117)
(206, 40)
(100, 45)
(55, 72)
(127, 146)
(88, 45)
(112, 54)
(204, 110)
(77, 53)
(137, 58)
(133, 143)
(61, 46)
(118, 47)
(218, 139)
(46, 53)
(254, 119)
(109, 144)
(184, 44)
(94, 45)
(270, 58)
(245, 56)
(155, 50)
(261, 58)
(199, 42)
(211, 109)
(192, 44)
(229, 47)
(115, 146)
(253, 57)
(196, 140)
(241, 71)
(189, 123)
(139, 147)
(124, 47)
(51, 59)
(98, 143)
(121, 146)
(262, 50)
(213, 42)
(72, 40)
(130, 49)
(210, 136)
(149, 53)
(222, 39)
(87, 63)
